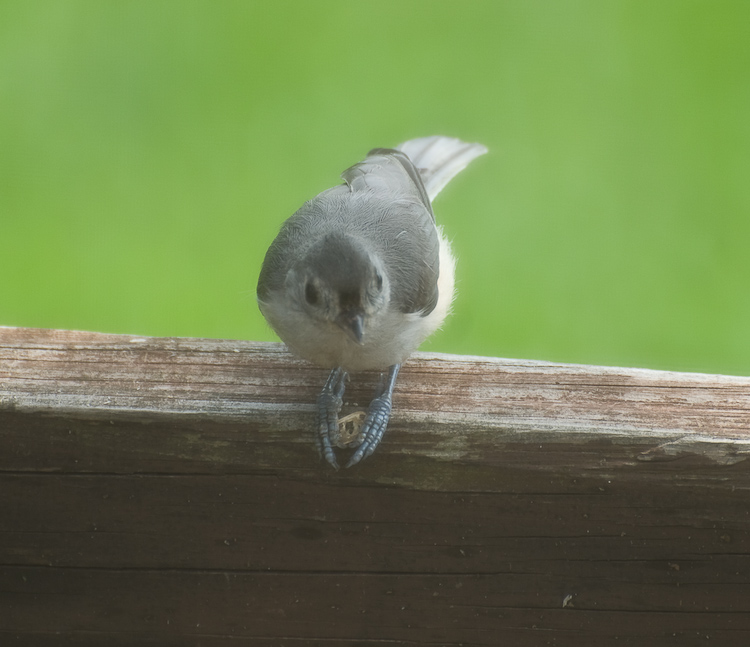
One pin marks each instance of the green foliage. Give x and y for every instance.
(149, 152)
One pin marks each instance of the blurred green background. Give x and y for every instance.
(149, 151)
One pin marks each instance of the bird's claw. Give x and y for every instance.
(370, 434)
(372, 431)
(330, 401)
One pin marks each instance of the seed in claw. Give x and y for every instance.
(350, 430)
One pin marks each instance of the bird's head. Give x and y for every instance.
(341, 283)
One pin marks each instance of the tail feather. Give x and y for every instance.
(439, 159)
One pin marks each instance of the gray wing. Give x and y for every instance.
(404, 224)
(387, 169)
(278, 260)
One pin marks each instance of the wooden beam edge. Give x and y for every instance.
(447, 407)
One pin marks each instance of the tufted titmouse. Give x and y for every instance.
(361, 275)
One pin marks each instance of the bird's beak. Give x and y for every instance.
(353, 322)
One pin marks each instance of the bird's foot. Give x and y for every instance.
(378, 415)
(330, 401)
(350, 430)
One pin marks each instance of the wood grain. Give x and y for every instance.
(167, 491)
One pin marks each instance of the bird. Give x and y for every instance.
(360, 275)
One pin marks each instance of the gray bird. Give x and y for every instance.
(361, 275)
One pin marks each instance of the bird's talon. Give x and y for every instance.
(355, 430)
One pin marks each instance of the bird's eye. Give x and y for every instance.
(379, 281)
(311, 293)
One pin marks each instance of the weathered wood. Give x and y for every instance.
(157, 490)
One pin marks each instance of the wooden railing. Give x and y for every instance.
(154, 491)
